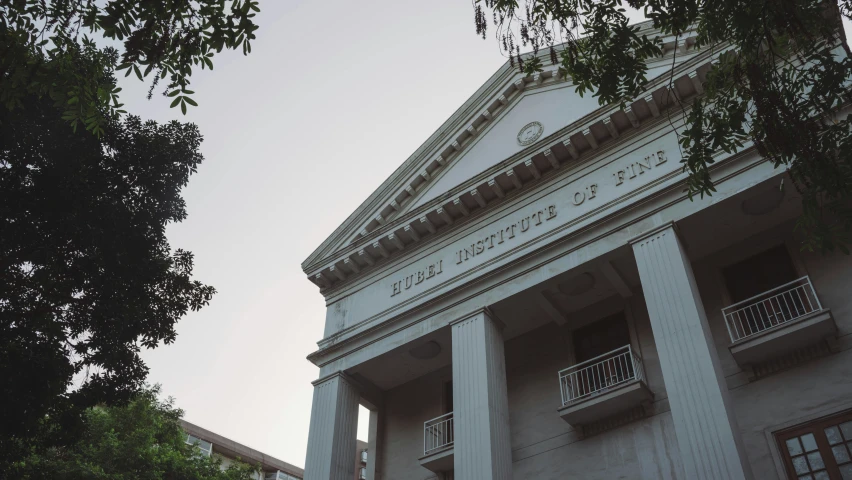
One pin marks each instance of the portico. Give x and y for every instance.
(565, 306)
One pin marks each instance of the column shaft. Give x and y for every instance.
(333, 428)
(705, 424)
(481, 408)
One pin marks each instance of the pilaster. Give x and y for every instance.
(482, 447)
(705, 423)
(333, 428)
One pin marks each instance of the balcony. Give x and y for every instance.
(438, 435)
(363, 456)
(362, 473)
(778, 321)
(603, 386)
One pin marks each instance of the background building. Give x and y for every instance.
(211, 443)
(532, 294)
(273, 469)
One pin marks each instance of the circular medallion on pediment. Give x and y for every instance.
(530, 133)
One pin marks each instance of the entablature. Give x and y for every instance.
(571, 241)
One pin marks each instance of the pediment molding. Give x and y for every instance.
(395, 229)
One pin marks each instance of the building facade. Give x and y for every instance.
(532, 294)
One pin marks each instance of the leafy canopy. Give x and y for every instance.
(142, 440)
(784, 74)
(87, 276)
(163, 39)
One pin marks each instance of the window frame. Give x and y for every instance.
(197, 442)
(817, 427)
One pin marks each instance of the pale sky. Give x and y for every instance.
(334, 96)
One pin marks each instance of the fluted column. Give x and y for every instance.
(333, 428)
(481, 407)
(705, 425)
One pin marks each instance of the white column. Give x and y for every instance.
(705, 425)
(333, 428)
(481, 407)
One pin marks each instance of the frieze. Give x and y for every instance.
(495, 239)
(418, 277)
(501, 235)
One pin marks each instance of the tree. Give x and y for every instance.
(784, 74)
(87, 277)
(142, 440)
(166, 39)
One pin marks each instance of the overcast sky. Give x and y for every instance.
(334, 96)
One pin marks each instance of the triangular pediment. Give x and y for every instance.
(511, 116)
(537, 112)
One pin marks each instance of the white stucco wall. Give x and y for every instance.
(405, 409)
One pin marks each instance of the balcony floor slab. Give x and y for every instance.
(783, 338)
(615, 400)
(438, 461)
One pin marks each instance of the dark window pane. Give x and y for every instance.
(757, 274)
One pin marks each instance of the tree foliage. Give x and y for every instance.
(784, 74)
(142, 440)
(160, 39)
(87, 276)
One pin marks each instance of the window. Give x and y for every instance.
(759, 273)
(600, 348)
(820, 450)
(757, 301)
(205, 447)
(600, 337)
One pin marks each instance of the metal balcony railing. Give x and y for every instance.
(600, 374)
(772, 308)
(438, 433)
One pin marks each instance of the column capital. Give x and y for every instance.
(339, 374)
(655, 231)
(480, 310)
